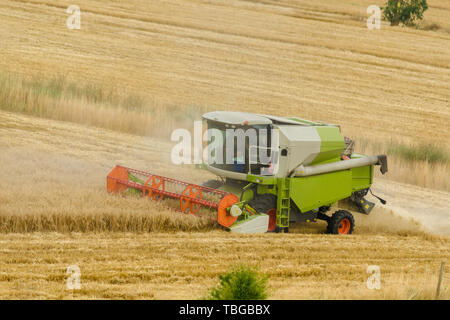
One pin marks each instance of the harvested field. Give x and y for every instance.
(185, 265)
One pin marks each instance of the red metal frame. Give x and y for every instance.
(190, 199)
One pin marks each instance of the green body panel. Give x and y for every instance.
(362, 177)
(265, 180)
(309, 193)
(332, 145)
(247, 195)
(266, 189)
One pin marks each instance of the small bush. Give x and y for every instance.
(404, 11)
(241, 283)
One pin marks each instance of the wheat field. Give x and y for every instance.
(316, 60)
(151, 66)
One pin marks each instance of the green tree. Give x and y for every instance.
(404, 11)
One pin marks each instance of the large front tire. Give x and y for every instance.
(341, 222)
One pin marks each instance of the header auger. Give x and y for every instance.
(310, 167)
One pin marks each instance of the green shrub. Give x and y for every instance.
(241, 283)
(404, 11)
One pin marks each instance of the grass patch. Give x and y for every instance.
(421, 163)
(87, 103)
(423, 152)
(241, 283)
(58, 87)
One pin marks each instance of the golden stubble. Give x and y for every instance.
(184, 265)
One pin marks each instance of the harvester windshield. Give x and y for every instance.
(241, 148)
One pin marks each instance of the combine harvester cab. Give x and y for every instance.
(311, 166)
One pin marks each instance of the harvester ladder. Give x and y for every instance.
(283, 203)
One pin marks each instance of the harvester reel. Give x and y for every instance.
(190, 199)
(186, 205)
(156, 183)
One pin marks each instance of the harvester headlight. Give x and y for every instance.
(235, 211)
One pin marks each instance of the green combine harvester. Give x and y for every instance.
(311, 167)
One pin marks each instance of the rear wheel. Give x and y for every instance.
(267, 204)
(341, 222)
